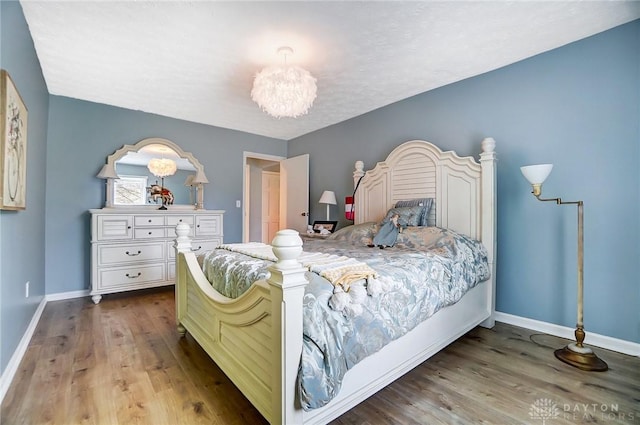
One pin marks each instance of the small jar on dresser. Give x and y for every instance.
(133, 249)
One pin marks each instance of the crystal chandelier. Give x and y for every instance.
(284, 91)
(162, 167)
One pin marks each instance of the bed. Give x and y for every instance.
(257, 338)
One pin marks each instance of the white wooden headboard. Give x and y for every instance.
(463, 189)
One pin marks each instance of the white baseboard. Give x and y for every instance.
(16, 358)
(593, 339)
(67, 295)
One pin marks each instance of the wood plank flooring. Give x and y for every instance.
(122, 362)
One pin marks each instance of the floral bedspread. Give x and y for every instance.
(429, 268)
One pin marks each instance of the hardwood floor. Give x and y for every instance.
(122, 362)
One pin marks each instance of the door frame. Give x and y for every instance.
(246, 186)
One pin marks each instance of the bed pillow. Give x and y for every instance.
(422, 202)
(361, 234)
(421, 237)
(408, 216)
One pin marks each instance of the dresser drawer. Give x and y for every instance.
(149, 220)
(114, 227)
(149, 233)
(209, 225)
(174, 220)
(118, 254)
(130, 276)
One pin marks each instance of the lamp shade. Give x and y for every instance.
(162, 167)
(107, 172)
(200, 177)
(536, 174)
(328, 197)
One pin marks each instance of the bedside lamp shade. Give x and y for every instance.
(328, 197)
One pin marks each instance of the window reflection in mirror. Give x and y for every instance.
(130, 190)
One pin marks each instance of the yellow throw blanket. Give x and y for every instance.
(339, 270)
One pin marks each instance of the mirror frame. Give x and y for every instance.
(109, 171)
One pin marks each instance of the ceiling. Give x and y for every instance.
(196, 60)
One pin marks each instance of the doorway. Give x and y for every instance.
(293, 198)
(257, 167)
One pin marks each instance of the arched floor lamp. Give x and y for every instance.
(575, 354)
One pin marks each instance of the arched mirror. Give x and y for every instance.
(153, 173)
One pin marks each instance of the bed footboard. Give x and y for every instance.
(247, 336)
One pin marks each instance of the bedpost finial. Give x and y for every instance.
(488, 144)
(359, 166)
(182, 242)
(287, 246)
(182, 230)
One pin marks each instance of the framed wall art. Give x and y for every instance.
(13, 146)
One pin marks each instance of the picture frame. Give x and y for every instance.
(328, 225)
(13, 146)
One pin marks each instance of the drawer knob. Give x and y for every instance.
(180, 220)
(149, 220)
(128, 227)
(133, 255)
(151, 233)
(133, 277)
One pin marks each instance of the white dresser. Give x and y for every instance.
(133, 249)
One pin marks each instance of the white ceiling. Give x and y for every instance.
(196, 60)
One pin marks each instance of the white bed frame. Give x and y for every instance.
(256, 339)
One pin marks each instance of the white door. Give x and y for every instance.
(270, 205)
(294, 193)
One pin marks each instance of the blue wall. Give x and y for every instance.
(22, 233)
(81, 136)
(577, 107)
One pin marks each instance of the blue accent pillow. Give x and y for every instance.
(408, 216)
(427, 203)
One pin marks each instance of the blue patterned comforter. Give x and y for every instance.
(429, 268)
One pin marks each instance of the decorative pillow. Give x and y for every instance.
(421, 202)
(420, 237)
(408, 216)
(357, 234)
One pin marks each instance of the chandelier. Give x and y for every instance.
(162, 167)
(284, 91)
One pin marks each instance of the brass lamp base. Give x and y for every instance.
(581, 357)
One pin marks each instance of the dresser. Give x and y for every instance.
(133, 249)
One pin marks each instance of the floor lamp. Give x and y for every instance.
(575, 354)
